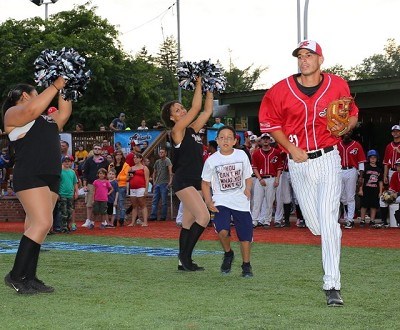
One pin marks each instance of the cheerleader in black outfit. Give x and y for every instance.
(187, 166)
(36, 173)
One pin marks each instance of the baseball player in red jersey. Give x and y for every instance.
(392, 153)
(267, 167)
(353, 158)
(294, 112)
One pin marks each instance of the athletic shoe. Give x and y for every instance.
(87, 223)
(109, 226)
(91, 225)
(40, 287)
(372, 223)
(179, 224)
(22, 287)
(73, 227)
(227, 262)
(278, 225)
(349, 225)
(362, 223)
(194, 267)
(266, 226)
(301, 223)
(247, 271)
(381, 225)
(333, 298)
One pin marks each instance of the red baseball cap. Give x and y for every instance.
(311, 45)
(51, 110)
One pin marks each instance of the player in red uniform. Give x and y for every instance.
(392, 153)
(267, 167)
(293, 111)
(353, 159)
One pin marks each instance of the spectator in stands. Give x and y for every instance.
(144, 146)
(79, 127)
(121, 168)
(80, 156)
(159, 125)
(217, 123)
(212, 146)
(102, 128)
(90, 169)
(118, 124)
(102, 188)
(162, 179)
(107, 147)
(4, 164)
(138, 186)
(35, 183)
(142, 126)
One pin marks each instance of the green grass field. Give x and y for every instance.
(114, 291)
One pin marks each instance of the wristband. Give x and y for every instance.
(55, 87)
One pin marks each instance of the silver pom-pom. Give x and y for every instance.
(212, 76)
(66, 63)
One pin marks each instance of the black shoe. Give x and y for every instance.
(278, 225)
(266, 226)
(349, 225)
(362, 223)
(40, 287)
(193, 267)
(22, 287)
(333, 298)
(247, 271)
(227, 262)
(301, 224)
(372, 223)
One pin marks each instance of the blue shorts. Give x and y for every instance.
(242, 220)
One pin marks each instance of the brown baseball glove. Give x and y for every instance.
(388, 196)
(338, 113)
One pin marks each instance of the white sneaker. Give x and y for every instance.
(104, 223)
(87, 223)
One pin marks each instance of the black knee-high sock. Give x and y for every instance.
(183, 238)
(298, 212)
(286, 213)
(384, 214)
(23, 258)
(195, 232)
(33, 263)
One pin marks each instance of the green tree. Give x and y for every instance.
(339, 70)
(120, 83)
(242, 80)
(380, 65)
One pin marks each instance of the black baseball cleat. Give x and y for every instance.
(21, 287)
(227, 262)
(349, 225)
(333, 298)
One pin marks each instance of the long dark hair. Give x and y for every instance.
(14, 95)
(166, 113)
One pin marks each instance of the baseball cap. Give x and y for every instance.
(248, 133)
(237, 137)
(397, 162)
(265, 136)
(311, 45)
(202, 131)
(66, 158)
(396, 128)
(122, 114)
(253, 137)
(51, 110)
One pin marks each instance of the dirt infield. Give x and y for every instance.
(357, 237)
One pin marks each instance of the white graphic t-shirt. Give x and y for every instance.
(227, 175)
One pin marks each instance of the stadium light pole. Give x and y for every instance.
(46, 5)
(179, 46)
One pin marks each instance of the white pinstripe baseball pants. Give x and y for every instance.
(317, 184)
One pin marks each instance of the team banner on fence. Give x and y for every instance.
(139, 137)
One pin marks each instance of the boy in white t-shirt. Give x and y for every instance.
(228, 172)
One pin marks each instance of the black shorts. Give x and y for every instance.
(35, 181)
(179, 184)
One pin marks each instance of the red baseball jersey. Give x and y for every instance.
(352, 154)
(303, 118)
(392, 153)
(267, 162)
(395, 182)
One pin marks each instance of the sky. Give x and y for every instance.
(257, 33)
